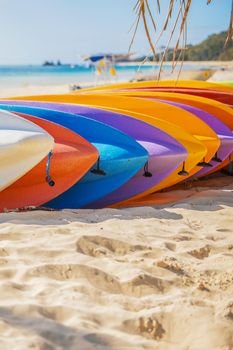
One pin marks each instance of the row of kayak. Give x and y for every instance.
(116, 145)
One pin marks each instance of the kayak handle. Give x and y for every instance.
(97, 170)
(146, 170)
(183, 172)
(48, 178)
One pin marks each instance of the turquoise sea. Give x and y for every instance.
(20, 76)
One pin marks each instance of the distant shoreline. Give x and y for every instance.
(208, 70)
(228, 64)
(135, 63)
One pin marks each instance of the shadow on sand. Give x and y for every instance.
(209, 194)
(52, 334)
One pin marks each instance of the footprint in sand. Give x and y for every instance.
(96, 277)
(97, 245)
(145, 284)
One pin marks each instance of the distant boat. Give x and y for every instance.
(51, 63)
(111, 57)
(48, 63)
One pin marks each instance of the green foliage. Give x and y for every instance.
(211, 49)
(226, 55)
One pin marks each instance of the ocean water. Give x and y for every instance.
(22, 76)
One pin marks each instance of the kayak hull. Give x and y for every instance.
(71, 158)
(121, 157)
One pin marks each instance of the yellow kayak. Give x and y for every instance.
(191, 84)
(218, 109)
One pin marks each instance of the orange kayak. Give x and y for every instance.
(71, 159)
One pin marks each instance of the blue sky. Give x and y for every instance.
(35, 30)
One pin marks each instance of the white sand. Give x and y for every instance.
(33, 90)
(138, 278)
(30, 90)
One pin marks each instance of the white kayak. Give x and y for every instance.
(22, 146)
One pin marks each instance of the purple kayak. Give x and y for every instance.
(223, 132)
(165, 152)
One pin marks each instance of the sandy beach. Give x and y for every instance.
(153, 278)
(138, 278)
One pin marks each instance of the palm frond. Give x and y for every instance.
(149, 17)
(230, 29)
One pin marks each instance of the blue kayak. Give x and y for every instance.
(121, 157)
